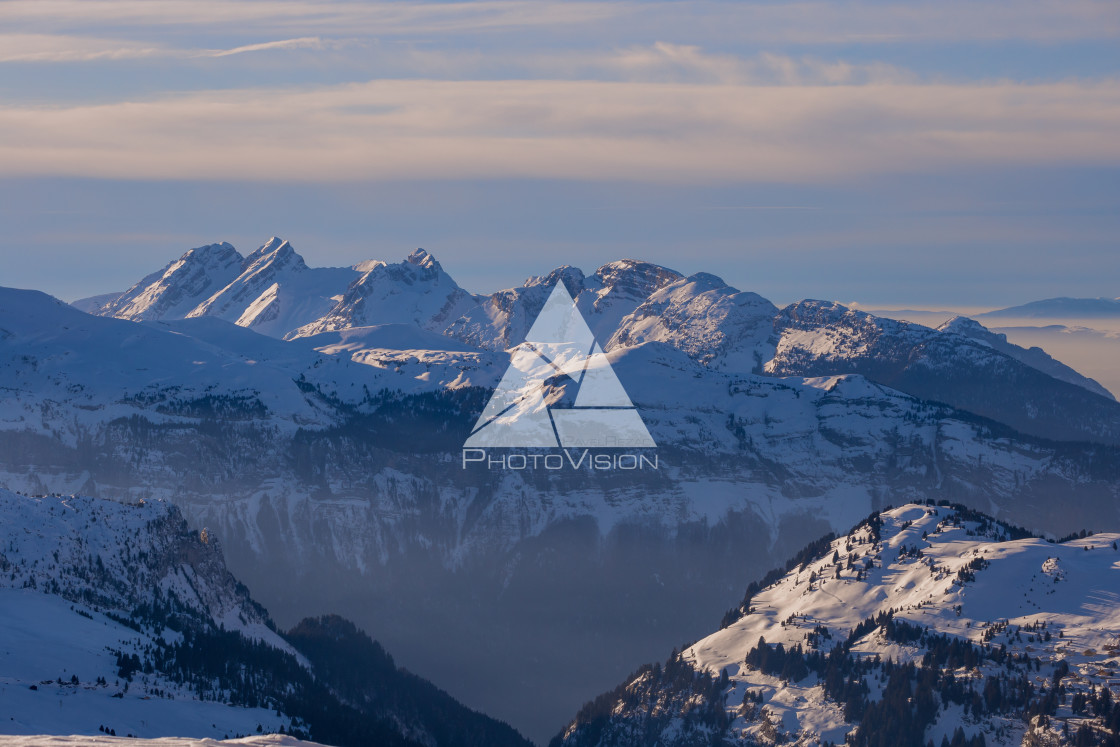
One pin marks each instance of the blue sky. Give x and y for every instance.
(952, 153)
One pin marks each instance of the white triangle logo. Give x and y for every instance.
(521, 412)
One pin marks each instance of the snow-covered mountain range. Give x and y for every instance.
(119, 620)
(329, 461)
(924, 624)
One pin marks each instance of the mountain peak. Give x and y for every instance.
(422, 258)
(636, 276)
(938, 603)
(960, 324)
(218, 251)
(179, 286)
(274, 248)
(572, 277)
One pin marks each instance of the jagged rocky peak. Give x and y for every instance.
(275, 251)
(635, 277)
(368, 264)
(176, 289)
(414, 291)
(572, 277)
(218, 253)
(424, 259)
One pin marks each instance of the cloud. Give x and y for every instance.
(805, 22)
(325, 17)
(66, 48)
(589, 130)
(306, 42)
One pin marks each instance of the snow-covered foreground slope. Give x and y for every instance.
(78, 575)
(119, 620)
(922, 621)
(41, 740)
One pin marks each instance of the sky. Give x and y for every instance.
(946, 153)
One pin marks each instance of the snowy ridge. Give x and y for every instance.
(416, 291)
(178, 288)
(968, 371)
(927, 586)
(616, 289)
(1034, 357)
(707, 319)
(276, 291)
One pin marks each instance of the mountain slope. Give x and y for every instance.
(276, 291)
(121, 620)
(339, 486)
(416, 291)
(604, 298)
(818, 338)
(708, 320)
(1034, 357)
(99, 740)
(178, 288)
(924, 623)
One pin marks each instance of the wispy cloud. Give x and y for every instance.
(304, 42)
(66, 48)
(808, 21)
(567, 129)
(325, 17)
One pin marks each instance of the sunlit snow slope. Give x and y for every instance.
(920, 621)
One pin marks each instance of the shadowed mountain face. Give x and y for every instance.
(331, 465)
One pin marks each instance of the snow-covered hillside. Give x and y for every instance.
(119, 620)
(922, 621)
(1006, 384)
(100, 740)
(1034, 357)
(86, 585)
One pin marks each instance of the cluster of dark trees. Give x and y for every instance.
(353, 695)
(911, 692)
(654, 696)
